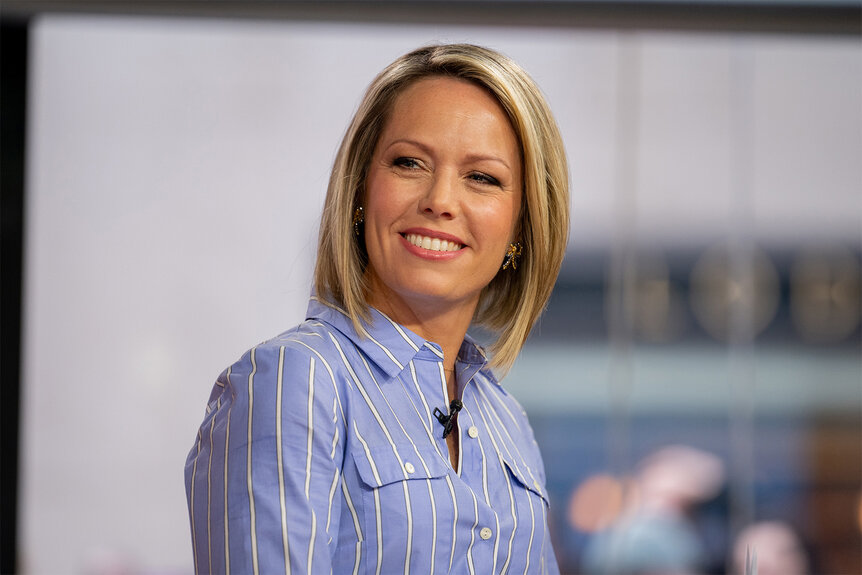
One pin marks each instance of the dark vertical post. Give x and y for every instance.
(13, 114)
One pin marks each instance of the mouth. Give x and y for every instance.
(433, 244)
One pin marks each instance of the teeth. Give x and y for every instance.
(433, 244)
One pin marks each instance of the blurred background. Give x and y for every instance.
(695, 385)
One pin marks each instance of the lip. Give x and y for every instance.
(431, 254)
(433, 234)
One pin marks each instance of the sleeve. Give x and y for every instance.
(262, 479)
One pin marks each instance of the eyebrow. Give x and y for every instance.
(470, 157)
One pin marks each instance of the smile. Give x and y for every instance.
(433, 244)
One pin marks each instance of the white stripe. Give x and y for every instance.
(473, 534)
(454, 519)
(332, 488)
(430, 490)
(510, 442)
(484, 465)
(506, 409)
(400, 331)
(336, 434)
(436, 351)
(408, 508)
(386, 351)
(427, 472)
(192, 501)
(545, 536)
(407, 505)
(369, 402)
(226, 445)
(444, 383)
(347, 499)
(493, 413)
(514, 521)
(487, 495)
(511, 498)
(358, 555)
(497, 426)
(248, 463)
(433, 523)
(428, 410)
(532, 533)
(328, 369)
(311, 539)
(496, 539)
(280, 457)
(209, 497)
(367, 454)
(378, 521)
(362, 330)
(359, 537)
(310, 426)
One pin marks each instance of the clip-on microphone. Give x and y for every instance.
(448, 421)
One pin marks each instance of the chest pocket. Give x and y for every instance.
(526, 477)
(379, 465)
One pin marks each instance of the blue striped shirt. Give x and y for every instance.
(319, 453)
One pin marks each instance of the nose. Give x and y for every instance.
(441, 197)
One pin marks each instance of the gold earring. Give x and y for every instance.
(513, 255)
(358, 218)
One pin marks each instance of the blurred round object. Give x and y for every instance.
(777, 548)
(734, 296)
(650, 304)
(657, 313)
(825, 294)
(596, 503)
(678, 476)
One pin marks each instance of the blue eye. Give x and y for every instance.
(484, 179)
(406, 162)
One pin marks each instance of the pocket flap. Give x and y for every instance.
(527, 477)
(382, 464)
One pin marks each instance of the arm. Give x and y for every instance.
(261, 478)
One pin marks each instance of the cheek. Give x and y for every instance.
(498, 222)
(378, 202)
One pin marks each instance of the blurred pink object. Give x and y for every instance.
(779, 550)
(676, 477)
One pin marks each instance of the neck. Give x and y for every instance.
(444, 324)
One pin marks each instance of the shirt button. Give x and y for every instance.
(485, 533)
(473, 431)
(408, 467)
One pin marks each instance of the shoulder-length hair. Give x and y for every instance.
(511, 303)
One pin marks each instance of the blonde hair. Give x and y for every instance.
(511, 303)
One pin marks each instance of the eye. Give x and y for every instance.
(484, 179)
(403, 162)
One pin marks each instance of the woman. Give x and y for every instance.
(374, 437)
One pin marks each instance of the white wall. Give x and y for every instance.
(177, 169)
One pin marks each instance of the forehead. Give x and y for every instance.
(430, 100)
(437, 85)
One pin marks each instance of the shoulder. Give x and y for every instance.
(309, 349)
(508, 408)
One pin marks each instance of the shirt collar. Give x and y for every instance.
(387, 343)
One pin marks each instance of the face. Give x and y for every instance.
(442, 198)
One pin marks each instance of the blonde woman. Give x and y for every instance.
(374, 437)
